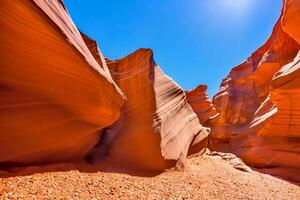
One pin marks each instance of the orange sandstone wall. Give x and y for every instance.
(54, 97)
(59, 102)
(157, 126)
(259, 102)
(201, 103)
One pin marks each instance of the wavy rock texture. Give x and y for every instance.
(58, 99)
(55, 97)
(157, 126)
(201, 103)
(259, 102)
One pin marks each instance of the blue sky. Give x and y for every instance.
(194, 41)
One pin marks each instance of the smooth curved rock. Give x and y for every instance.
(291, 18)
(259, 102)
(201, 103)
(54, 98)
(157, 126)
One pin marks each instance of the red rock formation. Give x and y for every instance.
(54, 97)
(201, 103)
(157, 126)
(259, 102)
(58, 98)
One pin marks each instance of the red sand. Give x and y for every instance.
(208, 177)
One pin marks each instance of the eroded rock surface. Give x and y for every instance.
(157, 127)
(54, 96)
(201, 103)
(232, 159)
(59, 97)
(259, 102)
(59, 100)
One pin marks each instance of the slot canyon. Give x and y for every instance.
(69, 111)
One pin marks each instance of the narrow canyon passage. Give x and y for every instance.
(75, 123)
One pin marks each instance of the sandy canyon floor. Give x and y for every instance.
(207, 177)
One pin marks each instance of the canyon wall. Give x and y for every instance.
(157, 125)
(259, 102)
(60, 103)
(55, 97)
(61, 100)
(201, 104)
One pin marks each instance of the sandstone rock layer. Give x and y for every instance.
(59, 102)
(259, 102)
(54, 96)
(157, 126)
(201, 103)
